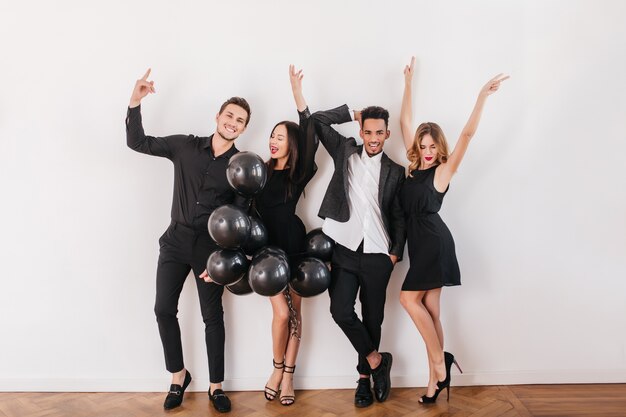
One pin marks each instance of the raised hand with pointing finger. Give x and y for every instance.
(493, 84)
(143, 87)
(406, 112)
(409, 70)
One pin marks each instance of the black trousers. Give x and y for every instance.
(184, 249)
(368, 274)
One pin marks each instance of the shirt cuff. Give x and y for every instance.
(133, 112)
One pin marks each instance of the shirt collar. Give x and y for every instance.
(209, 141)
(375, 160)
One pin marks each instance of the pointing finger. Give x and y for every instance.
(145, 76)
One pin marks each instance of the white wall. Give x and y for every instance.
(537, 209)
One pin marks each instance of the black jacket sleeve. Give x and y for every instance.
(397, 222)
(332, 140)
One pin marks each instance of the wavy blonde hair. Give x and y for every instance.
(414, 153)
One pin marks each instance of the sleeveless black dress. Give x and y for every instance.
(432, 256)
(277, 207)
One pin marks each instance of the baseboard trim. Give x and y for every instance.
(312, 382)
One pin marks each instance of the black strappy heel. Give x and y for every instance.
(288, 399)
(271, 393)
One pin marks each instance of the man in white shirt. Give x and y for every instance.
(363, 215)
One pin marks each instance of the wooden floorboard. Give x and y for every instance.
(477, 401)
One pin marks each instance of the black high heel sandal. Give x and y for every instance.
(271, 393)
(448, 360)
(288, 399)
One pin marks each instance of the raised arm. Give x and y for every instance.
(330, 138)
(307, 139)
(406, 112)
(446, 171)
(136, 139)
(296, 87)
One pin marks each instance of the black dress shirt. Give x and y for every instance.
(200, 184)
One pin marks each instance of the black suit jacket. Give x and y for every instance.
(335, 204)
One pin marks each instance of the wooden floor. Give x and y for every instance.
(520, 400)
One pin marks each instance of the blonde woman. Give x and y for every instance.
(432, 257)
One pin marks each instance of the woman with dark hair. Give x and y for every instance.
(432, 257)
(290, 167)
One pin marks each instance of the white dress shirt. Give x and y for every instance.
(366, 222)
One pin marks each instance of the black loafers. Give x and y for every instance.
(220, 401)
(382, 377)
(363, 396)
(175, 395)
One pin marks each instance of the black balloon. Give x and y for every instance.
(229, 226)
(269, 273)
(312, 278)
(246, 173)
(258, 236)
(318, 245)
(274, 250)
(241, 287)
(227, 266)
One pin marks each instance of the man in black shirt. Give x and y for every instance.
(200, 186)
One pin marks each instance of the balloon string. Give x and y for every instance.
(293, 316)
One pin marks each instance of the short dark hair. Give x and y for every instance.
(238, 101)
(374, 112)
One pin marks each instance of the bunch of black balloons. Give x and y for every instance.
(312, 276)
(245, 263)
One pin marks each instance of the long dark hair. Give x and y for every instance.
(293, 132)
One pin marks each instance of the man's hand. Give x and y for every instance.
(143, 87)
(205, 276)
(394, 259)
(357, 117)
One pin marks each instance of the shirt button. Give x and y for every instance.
(197, 202)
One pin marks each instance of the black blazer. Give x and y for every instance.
(335, 204)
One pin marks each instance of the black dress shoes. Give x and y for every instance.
(175, 395)
(382, 377)
(363, 396)
(220, 401)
